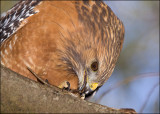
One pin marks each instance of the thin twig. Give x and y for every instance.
(148, 96)
(38, 78)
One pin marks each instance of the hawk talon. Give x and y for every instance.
(82, 96)
(67, 88)
(47, 81)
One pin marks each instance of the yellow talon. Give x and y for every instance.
(63, 85)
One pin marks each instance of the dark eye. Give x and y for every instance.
(94, 66)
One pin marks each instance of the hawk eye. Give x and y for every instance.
(94, 66)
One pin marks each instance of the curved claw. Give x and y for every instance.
(66, 86)
(82, 89)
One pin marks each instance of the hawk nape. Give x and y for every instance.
(77, 42)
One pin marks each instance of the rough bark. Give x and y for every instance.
(22, 95)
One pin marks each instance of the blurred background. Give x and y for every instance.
(135, 80)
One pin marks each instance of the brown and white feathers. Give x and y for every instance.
(74, 41)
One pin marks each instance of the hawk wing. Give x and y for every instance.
(11, 22)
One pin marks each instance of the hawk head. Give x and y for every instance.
(93, 49)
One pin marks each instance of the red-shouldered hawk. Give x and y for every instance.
(74, 41)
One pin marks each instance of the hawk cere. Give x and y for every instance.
(73, 42)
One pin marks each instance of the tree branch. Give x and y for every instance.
(22, 95)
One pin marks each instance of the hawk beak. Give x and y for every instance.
(85, 79)
(92, 86)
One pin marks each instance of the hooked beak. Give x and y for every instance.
(86, 87)
(82, 88)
